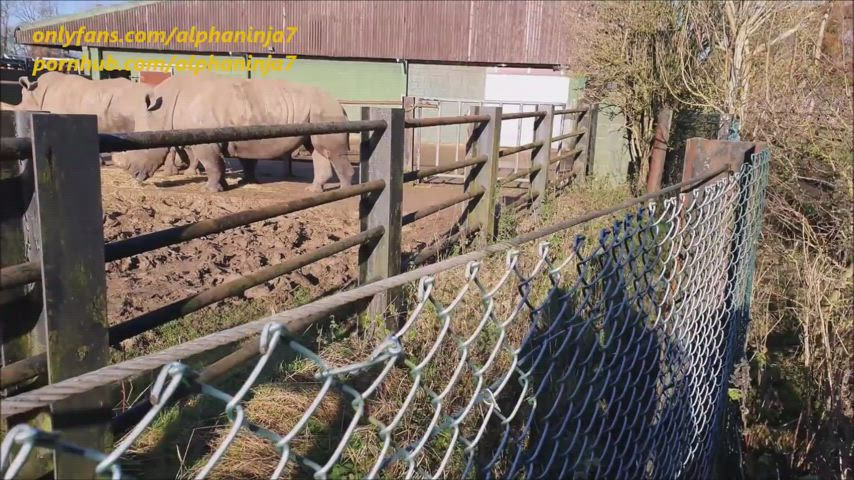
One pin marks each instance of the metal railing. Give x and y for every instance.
(595, 356)
(568, 122)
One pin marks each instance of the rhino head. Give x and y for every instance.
(31, 96)
(141, 164)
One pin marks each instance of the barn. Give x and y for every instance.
(359, 50)
(453, 54)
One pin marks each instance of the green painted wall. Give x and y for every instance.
(346, 80)
(349, 80)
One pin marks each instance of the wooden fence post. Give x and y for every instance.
(574, 124)
(68, 191)
(484, 140)
(20, 242)
(579, 165)
(381, 158)
(541, 156)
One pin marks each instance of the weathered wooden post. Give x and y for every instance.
(20, 242)
(541, 156)
(18, 245)
(66, 166)
(63, 236)
(583, 164)
(381, 158)
(484, 139)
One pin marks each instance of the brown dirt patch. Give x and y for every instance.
(153, 279)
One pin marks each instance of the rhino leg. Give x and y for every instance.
(211, 159)
(170, 167)
(342, 168)
(334, 147)
(192, 162)
(322, 171)
(248, 171)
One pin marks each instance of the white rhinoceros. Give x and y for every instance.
(112, 100)
(210, 101)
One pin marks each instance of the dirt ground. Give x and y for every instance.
(151, 280)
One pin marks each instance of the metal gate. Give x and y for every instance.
(440, 145)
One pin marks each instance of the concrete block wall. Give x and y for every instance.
(611, 154)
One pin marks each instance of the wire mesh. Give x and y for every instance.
(607, 358)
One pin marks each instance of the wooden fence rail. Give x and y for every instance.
(52, 254)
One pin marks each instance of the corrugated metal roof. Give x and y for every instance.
(535, 32)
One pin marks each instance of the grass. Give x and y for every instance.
(183, 437)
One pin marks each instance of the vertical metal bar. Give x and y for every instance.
(409, 135)
(484, 141)
(418, 133)
(20, 241)
(459, 130)
(562, 128)
(518, 138)
(438, 134)
(65, 156)
(381, 158)
(541, 156)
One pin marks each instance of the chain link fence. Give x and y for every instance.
(578, 357)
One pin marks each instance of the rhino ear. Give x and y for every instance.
(152, 104)
(26, 83)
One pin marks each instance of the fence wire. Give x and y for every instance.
(610, 359)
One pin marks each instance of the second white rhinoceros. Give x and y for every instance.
(210, 101)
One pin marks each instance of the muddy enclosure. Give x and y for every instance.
(145, 282)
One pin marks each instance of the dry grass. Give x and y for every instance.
(280, 400)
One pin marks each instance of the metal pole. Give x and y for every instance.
(659, 149)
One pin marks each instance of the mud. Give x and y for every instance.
(139, 284)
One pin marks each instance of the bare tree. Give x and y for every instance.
(35, 10)
(719, 46)
(626, 71)
(779, 73)
(7, 39)
(16, 12)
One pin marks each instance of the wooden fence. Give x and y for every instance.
(52, 250)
